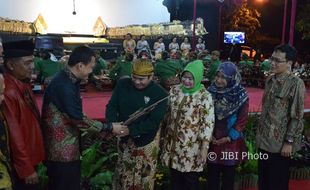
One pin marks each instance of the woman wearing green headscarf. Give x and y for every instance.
(188, 128)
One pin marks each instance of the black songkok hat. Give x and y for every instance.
(16, 49)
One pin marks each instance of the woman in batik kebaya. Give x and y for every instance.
(188, 128)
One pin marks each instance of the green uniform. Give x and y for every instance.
(100, 65)
(265, 66)
(212, 70)
(165, 69)
(36, 60)
(121, 68)
(47, 68)
(246, 63)
(137, 152)
(120, 107)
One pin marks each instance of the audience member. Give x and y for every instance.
(129, 44)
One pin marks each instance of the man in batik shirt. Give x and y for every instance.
(63, 121)
(280, 128)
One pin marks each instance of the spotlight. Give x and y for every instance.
(74, 13)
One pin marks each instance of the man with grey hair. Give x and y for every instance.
(22, 115)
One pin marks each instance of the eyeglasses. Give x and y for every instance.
(276, 60)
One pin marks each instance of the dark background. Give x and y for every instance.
(271, 20)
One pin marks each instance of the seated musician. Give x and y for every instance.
(122, 68)
(46, 67)
(99, 76)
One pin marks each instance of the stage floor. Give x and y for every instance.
(94, 103)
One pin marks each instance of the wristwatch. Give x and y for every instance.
(289, 141)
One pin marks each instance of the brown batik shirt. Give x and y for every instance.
(282, 113)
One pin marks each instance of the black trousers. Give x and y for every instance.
(273, 173)
(64, 175)
(19, 184)
(220, 174)
(184, 180)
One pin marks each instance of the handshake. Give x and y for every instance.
(120, 129)
(113, 129)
